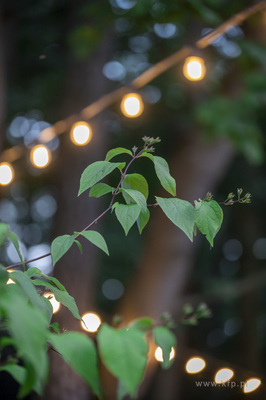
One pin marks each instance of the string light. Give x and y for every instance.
(132, 105)
(91, 322)
(6, 173)
(158, 354)
(80, 133)
(55, 304)
(223, 375)
(194, 68)
(251, 385)
(40, 156)
(195, 365)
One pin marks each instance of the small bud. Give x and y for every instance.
(188, 309)
(150, 150)
(239, 192)
(229, 203)
(145, 139)
(208, 197)
(202, 311)
(165, 316)
(117, 319)
(230, 196)
(134, 149)
(190, 321)
(247, 196)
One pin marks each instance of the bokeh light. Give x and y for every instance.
(40, 156)
(195, 365)
(251, 385)
(55, 304)
(132, 105)
(223, 375)
(91, 322)
(9, 279)
(6, 173)
(80, 133)
(158, 354)
(194, 68)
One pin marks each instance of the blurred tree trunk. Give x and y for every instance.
(169, 257)
(85, 83)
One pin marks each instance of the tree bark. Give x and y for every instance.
(169, 257)
(85, 83)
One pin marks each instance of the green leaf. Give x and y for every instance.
(115, 152)
(143, 219)
(137, 197)
(180, 212)
(122, 165)
(28, 327)
(124, 353)
(209, 218)
(100, 189)
(143, 324)
(3, 274)
(94, 173)
(165, 339)
(79, 245)
(148, 155)
(28, 288)
(60, 246)
(4, 231)
(16, 371)
(115, 205)
(35, 272)
(122, 392)
(97, 239)
(55, 327)
(15, 242)
(61, 295)
(80, 353)
(163, 174)
(127, 215)
(136, 182)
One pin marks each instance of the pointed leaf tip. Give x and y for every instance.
(180, 212)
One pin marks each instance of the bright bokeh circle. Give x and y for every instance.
(132, 105)
(194, 68)
(158, 354)
(81, 133)
(91, 322)
(6, 173)
(40, 156)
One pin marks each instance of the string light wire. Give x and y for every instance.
(95, 108)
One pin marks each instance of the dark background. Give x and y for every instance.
(53, 62)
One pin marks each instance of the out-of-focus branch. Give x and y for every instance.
(146, 77)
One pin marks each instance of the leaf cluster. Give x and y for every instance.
(25, 314)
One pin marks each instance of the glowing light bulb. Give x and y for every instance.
(40, 156)
(80, 133)
(159, 354)
(91, 322)
(223, 375)
(132, 105)
(6, 173)
(55, 304)
(251, 384)
(194, 365)
(194, 68)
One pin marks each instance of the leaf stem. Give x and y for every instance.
(91, 223)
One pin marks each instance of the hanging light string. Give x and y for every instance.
(95, 108)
